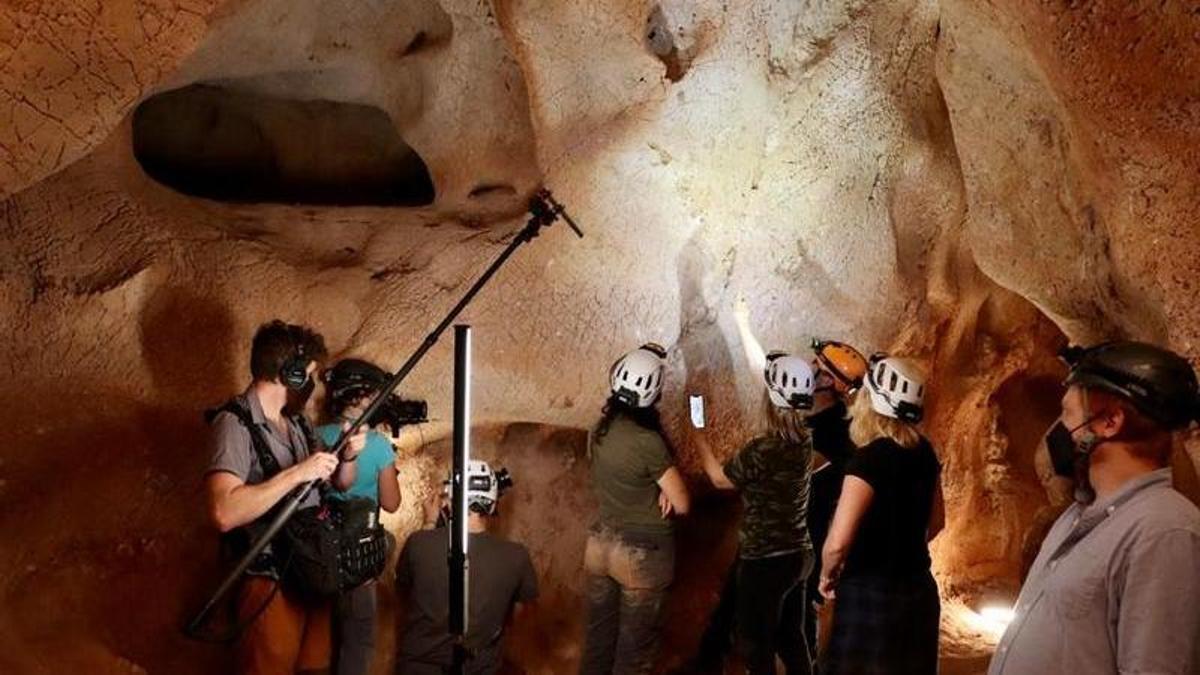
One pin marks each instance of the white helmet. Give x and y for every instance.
(484, 486)
(789, 381)
(637, 377)
(897, 390)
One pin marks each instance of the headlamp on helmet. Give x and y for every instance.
(484, 486)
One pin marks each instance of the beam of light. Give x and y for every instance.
(1003, 615)
(991, 620)
(755, 356)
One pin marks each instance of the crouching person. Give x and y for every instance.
(501, 582)
(261, 454)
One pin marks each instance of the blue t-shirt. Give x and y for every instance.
(374, 458)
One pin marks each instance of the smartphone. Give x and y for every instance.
(696, 402)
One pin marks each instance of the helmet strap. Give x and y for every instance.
(1084, 492)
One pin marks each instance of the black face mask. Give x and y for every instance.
(1062, 449)
(1070, 460)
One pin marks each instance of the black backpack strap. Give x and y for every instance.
(238, 540)
(310, 437)
(266, 458)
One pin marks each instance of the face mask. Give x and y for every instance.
(1062, 450)
(1070, 460)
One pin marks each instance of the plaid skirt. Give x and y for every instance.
(884, 627)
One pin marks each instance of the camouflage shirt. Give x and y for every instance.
(773, 478)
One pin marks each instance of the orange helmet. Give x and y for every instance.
(844, 363)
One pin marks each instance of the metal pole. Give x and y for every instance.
(459, 558)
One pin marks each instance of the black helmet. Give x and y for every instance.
(1157, 381)
(354, 374)
(352, 379)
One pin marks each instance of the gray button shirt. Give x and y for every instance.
(1115, 589)
(233, 451)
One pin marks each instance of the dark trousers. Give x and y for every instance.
(718, 635)
(354, 630)
(764, 600)
(770, 613)
(812, 625)
(627, 580)
(884, 626)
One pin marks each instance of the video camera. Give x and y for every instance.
(351, 380)
(397, 412)
(483, 482)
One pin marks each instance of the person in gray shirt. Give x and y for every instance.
(283, 631)
(1116, 586)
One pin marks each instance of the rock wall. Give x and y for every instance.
(967, 182)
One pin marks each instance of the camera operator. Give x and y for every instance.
(349, 386)
(260, 454)
(501, 583)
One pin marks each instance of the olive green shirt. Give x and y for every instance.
(627, 462)
(773, 477)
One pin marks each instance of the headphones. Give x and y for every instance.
(294, 371)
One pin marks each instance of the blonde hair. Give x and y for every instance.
(784, 423)
(866, 425)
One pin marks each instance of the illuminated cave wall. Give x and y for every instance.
(969, 184)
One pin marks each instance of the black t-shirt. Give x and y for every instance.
(501, 574)
(831, 434)
(831, 437)
(830, 431)
(891, 538)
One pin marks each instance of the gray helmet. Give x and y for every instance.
(1158, 382)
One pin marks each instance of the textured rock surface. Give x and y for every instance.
(960, 180)
(72, 69)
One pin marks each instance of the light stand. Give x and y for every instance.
(459, 559)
